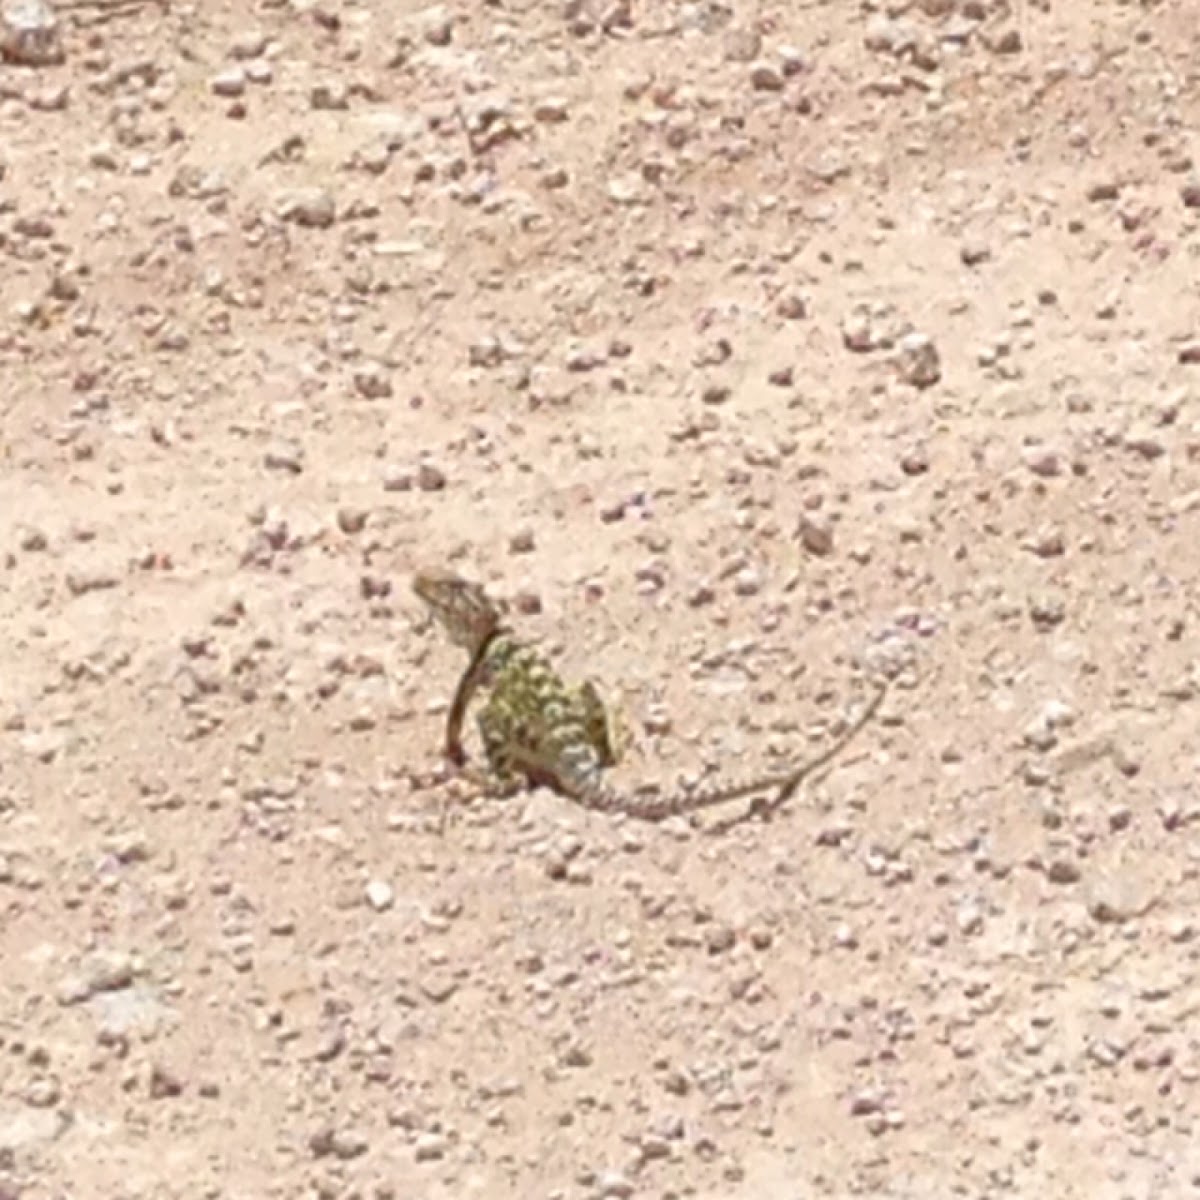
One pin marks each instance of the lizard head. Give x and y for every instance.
(466, 612)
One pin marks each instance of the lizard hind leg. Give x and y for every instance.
(604, 727)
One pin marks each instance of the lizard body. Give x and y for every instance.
(537, 728)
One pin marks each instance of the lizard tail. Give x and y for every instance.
(593, 793)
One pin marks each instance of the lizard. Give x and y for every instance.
(479, 622)
(539, 729)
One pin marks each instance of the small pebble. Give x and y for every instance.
(229, 83)
(398, 479)
(1063, 870)
(373, 382)
(917, 361)
(430, 1147)
(816, 534)
(522, 542)
(766, 77)
(1043, 461)
(351, 520)
(329, 96)
(284, 456)
(252, 44)
(430, 477)
(614, 1184)
(311, 207)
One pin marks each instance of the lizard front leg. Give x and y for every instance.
(503, 777)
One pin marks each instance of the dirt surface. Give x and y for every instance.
(750, 353)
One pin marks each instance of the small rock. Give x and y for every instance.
(1047, 611)
(1043, 461)
(164, 1084)
(816, 534)
(43, 1092)
(430, 477)
(792, 60)
(438, 987)
(969, 919)
(615, 1184)
(248, 45)
(551, 110)
(487, 352)
(858, 332)
(330, 96)
(1048, 543)
(380, 895)
(1120, 817)
(91, 579)
(30, 34)
(351, 520)
(917, 360)
(398, 479)
(50, 99)
(31, 539)
(439, 30)
(747, 582)
(259, 71)
(1105, 190)
(430, 1147)
(372, 382)
(229, 83)
(103, 157)
(321, 1142)
(331, 1042)
(1063, 870)
(915, 460)
(1006, 41)
(792, 306)
(719, 939)
(310, 207)
(883, 35)
(522, 542)
(348, 1143)
(1145, 443)
(864, 1104)
(626, 189)
(284, 456)
(1113, 902)
(766, 77)
(1105, 1052)
(103, 971)
(974, 253)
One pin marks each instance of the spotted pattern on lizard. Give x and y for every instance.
(538, 729)
(474, 621)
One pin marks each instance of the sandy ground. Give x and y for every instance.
(748, 352)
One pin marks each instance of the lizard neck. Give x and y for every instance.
(493, 651)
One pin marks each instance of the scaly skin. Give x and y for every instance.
(538, 729)
(473, 620)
